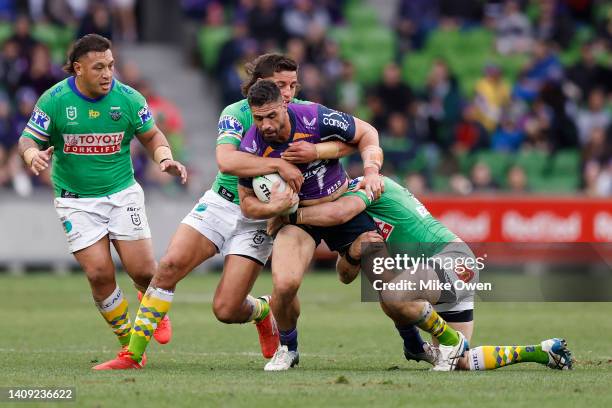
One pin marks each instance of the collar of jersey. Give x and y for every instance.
(72, 85)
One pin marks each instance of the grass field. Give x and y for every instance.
(350, 354)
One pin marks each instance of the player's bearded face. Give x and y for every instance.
(270, 120)
(95, 72)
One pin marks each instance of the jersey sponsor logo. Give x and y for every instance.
(309, 124)
(336, 119)
(93, 143)
(126, 90)
(144, 114)
(253, 149)
(71, 112)
(136, 219)
(94, 114)
(115, 113)
(40, 118)
(229, 124)
(384, 227)
(57, 90)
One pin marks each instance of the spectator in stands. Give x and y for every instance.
(492, 97)
(598, 147)
(470, 135)
(265, 22)
(517, 180)
(315, 43)
(301, 15)
(42, 74)
(543, 68)
(331, 64)
(399, 143)
(416, 183)
(231, 50)
(482, 180)
(314, 87)
(587, 73)
(444, 102)
(349, 92)
(509, 136)
(395, 95)
(296, 49)
(416, 19)
(459, 184)
(597, 178)
(97, 21)
(124, 13)
(554, 24)
(594, 116)
(12, 66)
(513, 30)
(377, 113)
(537, 126)
(63, 13)
(22, 35)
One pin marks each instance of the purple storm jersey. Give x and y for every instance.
(312, 123)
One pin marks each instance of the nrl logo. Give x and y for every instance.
(71, 112)
(115, 114)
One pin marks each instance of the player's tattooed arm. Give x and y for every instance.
(157, 146)
(232, 161)
(280, 201)
(37, 160)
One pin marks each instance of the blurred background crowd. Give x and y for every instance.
(468, 96)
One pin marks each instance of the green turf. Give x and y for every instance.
(350, 353)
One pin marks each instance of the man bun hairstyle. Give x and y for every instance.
(265, 66)
(263, 92)
(85, 44)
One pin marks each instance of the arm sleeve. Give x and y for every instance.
(361, 194)
(335, 125)
(40, 125)
(142, 118)
(229, 129)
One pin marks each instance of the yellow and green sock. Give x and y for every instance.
(492, 357)
(431, 322)
(114, 309)
(260, 308)
(154, 305)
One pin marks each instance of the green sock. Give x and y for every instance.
(261, 308)
(432, 323)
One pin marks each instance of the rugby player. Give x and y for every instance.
(216, 224)
(405, 224)
(276, 125)
(85, 123)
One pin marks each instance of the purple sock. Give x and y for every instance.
(412, 338)
(289, 338)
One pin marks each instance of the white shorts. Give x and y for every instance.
(222, 222)
(121, 216)
(464, 298)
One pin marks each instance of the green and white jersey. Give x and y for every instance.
(234, 122)
(402, 219)
(91, 136)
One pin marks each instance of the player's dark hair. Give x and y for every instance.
(265, 66)
(85, 44)
(263, 92)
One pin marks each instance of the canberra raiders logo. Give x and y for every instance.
(115, 113)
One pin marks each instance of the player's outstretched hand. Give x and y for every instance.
(175, 168)
(291, 174)
(300, 152)
(41, 161)
(282, 200)
(373, 184)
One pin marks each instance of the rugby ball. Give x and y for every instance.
(262, 185)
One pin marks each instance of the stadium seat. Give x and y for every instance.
(415, 68)
(534, 162)
(498, 162)
(361, 15)
(566, 163)
(210, 41)
(5, 31)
